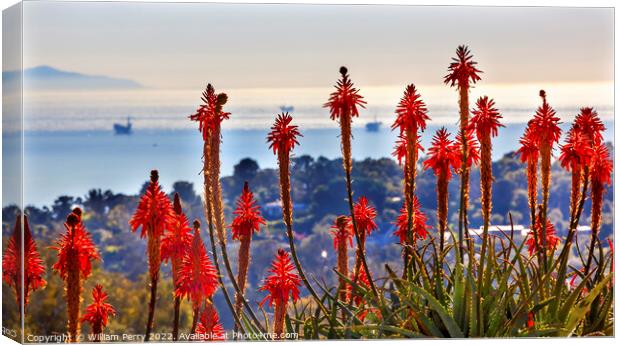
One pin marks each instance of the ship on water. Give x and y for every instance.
(120, 129)
(373, 126)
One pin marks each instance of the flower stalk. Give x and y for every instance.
(152, 216)
(76, 252)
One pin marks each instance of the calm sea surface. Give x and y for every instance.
(72, 162)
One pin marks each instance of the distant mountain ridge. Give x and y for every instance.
(50, 78)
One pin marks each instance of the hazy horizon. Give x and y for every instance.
(184, 45)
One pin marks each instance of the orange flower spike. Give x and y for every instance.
(485, 123)
(247, 215)
(177, 237)
(33, 269)
(365, 215)
(247, 221)
(545, 123)
(152, 215)
(174, 244)
(75, 253)
(462, 70)
(551, 239)
(411, 112)
(209, 114)
(588, 123)
(153, 210)
(529, 152)
(442, 155)
(344, 101)
(283, 135)
(282, 284)
(98, 311)
(418, 219)
(600, 175)
(486, 118)
(210, 328)
(75, 246)
(197, 277)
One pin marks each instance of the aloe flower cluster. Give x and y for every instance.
(281, 285)
(247, 221)
(98, 311)
(33, 269)
(152, 217)
(443, 157)
(197, 276)
(174, 245)
(76, 252)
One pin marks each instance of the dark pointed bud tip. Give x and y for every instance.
(154, 176)
(222, 98)
(542, 93)
(210, 87)
(343, 70)
(246, 187)
(78, 212)
(177, 204)
(72, 219)
(196, 224)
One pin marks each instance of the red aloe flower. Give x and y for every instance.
(546, 132)
(551, 240)
(75, 247)
(209, 114)
(473, 149)
(485, 123)
(281, 285)
(588, 123)
(544, 125)
(76, 250)
(411, 112)
(283, 135)
(600, 174)
(174, 245)
(442, 156)
(12, 262)
(197, 277)
(98, 311)
(463, 69)
(529, 152)
(463, 72)
(247, 221)
(209, 328)
(418, 220)
(153, 210)
(152, 215)
(177, 238)
(365, 215)
(576, 152)
(485, 119)
(345, 100)
(247, 215)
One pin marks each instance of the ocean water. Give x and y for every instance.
(72, 162)
(70, 147)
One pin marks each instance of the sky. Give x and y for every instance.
(180, 45)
